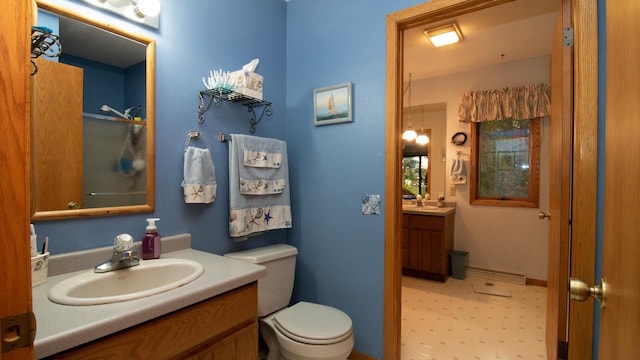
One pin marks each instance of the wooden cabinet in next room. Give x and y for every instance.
(427, 241)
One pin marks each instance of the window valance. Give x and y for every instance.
(521, 103)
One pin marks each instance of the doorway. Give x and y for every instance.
(584, 83)
(459, 68)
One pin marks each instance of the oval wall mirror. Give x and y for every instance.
(92, 120)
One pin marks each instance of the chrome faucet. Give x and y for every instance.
(123, 255)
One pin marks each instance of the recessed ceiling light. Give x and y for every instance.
(444, 35)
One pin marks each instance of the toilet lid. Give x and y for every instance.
(313, 323)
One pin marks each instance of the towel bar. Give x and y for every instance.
(116, 193)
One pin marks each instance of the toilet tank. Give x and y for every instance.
(274, 290)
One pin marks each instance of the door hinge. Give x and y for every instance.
(18, 331)
(563, 350)
(567, 36)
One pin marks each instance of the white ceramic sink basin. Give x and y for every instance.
(149, 278)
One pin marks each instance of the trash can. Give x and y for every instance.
(459, 264)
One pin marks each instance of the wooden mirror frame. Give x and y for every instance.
(150, 121)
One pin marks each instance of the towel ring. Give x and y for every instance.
(459, 139)
(192, 134)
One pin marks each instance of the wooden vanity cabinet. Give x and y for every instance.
(223, 327)
(427, 241)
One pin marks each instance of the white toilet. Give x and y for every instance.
(304, 331)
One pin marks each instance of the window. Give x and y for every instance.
(415, 176)
(505, 161)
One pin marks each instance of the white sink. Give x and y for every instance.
(149, 278)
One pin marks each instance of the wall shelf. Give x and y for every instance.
(217, 95)
(43, 42)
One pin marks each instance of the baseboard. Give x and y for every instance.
(496, 275)
(536, 282)
(359, 356)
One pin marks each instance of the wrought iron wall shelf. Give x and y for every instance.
(217, 95)
(43, 42)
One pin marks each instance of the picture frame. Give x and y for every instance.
(332, 104)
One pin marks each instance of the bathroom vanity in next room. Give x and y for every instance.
(427, 240)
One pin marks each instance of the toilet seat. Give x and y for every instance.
(314, 324)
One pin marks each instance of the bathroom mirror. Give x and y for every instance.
(93, 120)
(431, 119)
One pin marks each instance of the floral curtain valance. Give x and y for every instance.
(525, 102)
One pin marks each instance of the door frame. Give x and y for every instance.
(15, 266)
(584, 15)
(561, 161)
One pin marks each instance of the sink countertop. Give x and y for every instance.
(429, 209)
(61, 327)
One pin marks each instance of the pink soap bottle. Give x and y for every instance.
(151, 241)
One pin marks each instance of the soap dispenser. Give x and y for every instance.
(151, 240)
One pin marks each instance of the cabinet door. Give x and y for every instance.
(242, 345)
(429, 245)
(414, 250)
(438, 256)
(417, 251)
(429, 230)
(405, 247)
(426, 243)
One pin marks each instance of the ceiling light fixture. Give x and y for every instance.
(142, 11)
(444, 35)
(145, 8)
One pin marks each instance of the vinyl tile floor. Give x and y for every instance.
(452, 321)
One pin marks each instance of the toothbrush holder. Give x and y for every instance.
(39, 269)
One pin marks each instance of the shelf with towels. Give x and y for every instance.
(217, 95)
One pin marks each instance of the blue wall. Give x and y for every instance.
(302, 45)
(341, 261)
(135, 89)
(103, 84)
(193, 38)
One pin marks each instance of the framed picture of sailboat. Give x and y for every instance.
(332, 105)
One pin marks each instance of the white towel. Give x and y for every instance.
(261, 171)
(199, 183)
(256, 207)
(458, 172)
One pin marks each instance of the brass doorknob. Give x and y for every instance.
(542, 215)
(581, 291)
(72, 205)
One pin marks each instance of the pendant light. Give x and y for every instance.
(422, 138)
(409, 134)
